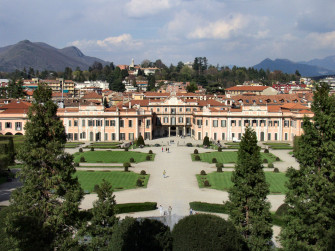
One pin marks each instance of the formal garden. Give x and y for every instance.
(119, 180)
(119, 156)
(222, 181)
(228, 157)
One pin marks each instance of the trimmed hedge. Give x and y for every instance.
(209, 207)
(135, 207)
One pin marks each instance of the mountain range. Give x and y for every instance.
(312, 68)
(42, 56)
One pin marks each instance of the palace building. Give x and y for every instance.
(273, 117)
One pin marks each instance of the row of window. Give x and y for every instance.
(99, 122)
(173, 110)
(97, 136)
(8, 125)
(239, 136)
(271, 123)
(173, 120)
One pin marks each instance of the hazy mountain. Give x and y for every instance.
(288, 66)
(42, 56)
(327, 62)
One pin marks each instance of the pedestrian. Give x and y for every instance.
(161, 210)
(162, 149)
(170, 210)
(191, 211)
(166, 149)
(164, 174)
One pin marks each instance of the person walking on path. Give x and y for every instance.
(164, 174)
(170, 210)
(162, 149)
(161, 210)
(191, 211)
(168, 149)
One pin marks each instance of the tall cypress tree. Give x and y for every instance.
(311, 194)
(248, 206)
(44, 211)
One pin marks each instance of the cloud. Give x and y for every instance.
(221, 29)
(322, 40)
(142, 8)
(110, 43)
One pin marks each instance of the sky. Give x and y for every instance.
(227, 32)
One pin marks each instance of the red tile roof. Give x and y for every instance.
(92, 95)
(16, 107)
(247, 88)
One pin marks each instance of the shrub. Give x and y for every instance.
(197, 157)
(219, 169)
(143, 172)
(189, 144)
(277, 159)
(131, 160)
(96, 188)
(282, 209)
(206, 183)
(219, 149)
(150, 151)
(265, 161)
(80, 150)
(126, 165)
(76, 164)
(206, 141)
(135, 207)
(214, 160)
(209, 207)
(92, 149)
(266, 150)
(219, 165)
(148, 157)
(206, 232)
(139, 183)
(270, 165)
(82, 159)
(196, 151)
(203, 172)
(140, 141)
(276, 170)
(157, 145)
(126, 149)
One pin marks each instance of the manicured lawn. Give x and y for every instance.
(276, 144)
(226, 157)
(121, 166)
(105, 145)
(111, 156)
(222, 181)
(119, 180)
(279, 146)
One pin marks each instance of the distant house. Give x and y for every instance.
(253, 90)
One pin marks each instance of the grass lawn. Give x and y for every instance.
(226, 157)
(112, 156)
(101, 166)
(222, 181)
(276, 144)
(119, 180)
(105, 145)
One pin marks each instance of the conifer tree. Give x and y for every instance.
(248, 206)
(311, 195)
(44, 211)
(104, 218)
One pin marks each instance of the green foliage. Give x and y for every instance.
(148, 157)
(206, 232)
(270, 165)
(92, 149)
(80, 150)
(219, 149)
(266, 150)
(219, 165)
(146, 234)
(214, 160)
(189, 144)
(140, 141)
(202, 172)
(311, 216)
(296, 143)
(44, 211)
(143, 172)
(282, 209)
(126, 149)
(209, 207)
(276, 170)
(82, 159)
(265, 161)
(136, 207)
(150, 152)
(103, 219)
(126, 165)
(206, 141)
(195, 151)
(219, 169)
(248, 207)
(139, 183)
(131, 160)
(206, 183)
(197, 157)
